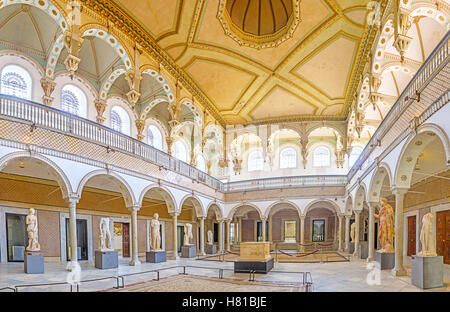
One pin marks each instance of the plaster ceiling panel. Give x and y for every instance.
(357, 16)
(97, 56)
(176, 51)
(281, 102)
(158, 16)
(223, 83)
(21, 24)
(312, 13)
(333, 110)
(328, 69)
(344, 4)
(432, 32)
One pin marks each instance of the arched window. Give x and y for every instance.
(154, 137)
(16, 81)
(179, 151)
(201, 164)
(73, 100)
(255, 161)
(321, 157)
(120, 121)
(354, 154)
(288, 158)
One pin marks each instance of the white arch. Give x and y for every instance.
(235, 208)
(360, 197)
(308, 207)
(61, 177)
(164, 192)
(127, 192)
(376, 182)
(288, 202)
(162, 81)
(198, 206)
(107, 84)
(218, 211)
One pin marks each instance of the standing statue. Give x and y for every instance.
(426, 236)
(352, 232)
(187, 234)
(210, 237)
(105, 235)
(386, 230)
(155, 233)
(32, 230)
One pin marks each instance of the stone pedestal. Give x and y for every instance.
(384, 260)
(189, 251)
(351, 247)
(106, 259)
(156, 256)
(363, 251)
(33, 262)
(427, 272)
(211, 249)
(254, 256)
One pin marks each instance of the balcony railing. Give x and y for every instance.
(286, 182)
(62, 122)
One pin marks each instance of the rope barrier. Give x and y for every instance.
(299, 256)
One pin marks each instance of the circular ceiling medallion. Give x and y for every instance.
(259, 23)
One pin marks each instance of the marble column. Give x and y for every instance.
(221, 238)
(357, 229)
(240, 229)
(340, 233)
(134, 235)
(371, 243)
(270, 229)
(399, 193)
(263, 226)
(228, 235)
(175, 240)
(202, 236)
(73, 200)
(302, 232)
(347, 233)
(335, 230)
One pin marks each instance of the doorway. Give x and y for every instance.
(121, 239)
(411, 236)
(16, 236)
(443, 235)
(82, 240)
(180, 237)
(318, 230)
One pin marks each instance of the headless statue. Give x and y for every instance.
(155, 233)
(187, 234)
(210, 237)
(352, 232)
(105, 235)
(32, 230)
(386, 230)
(426, 237)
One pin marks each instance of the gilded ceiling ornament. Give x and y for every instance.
(418, 143)
(247, 22)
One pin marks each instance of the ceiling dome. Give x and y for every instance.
(259, 23)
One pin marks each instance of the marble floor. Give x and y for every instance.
(327, 277)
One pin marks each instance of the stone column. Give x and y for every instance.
(73, 200)
(340, 233)
(357, 227)
(263, 232)
(134, 235)
(221, 236)
(302, 232)
(270, 229)
(228, 235)
(371, 243)
(240, 230)
(399, 193)
(175, 225)
(347, 233)
(335, 230)
(202, 236)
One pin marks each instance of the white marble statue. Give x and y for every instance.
(155, 234)
(187, 234)
(426, 237)
(105, 235)
(352, 232)
(210, 237)
(32, 230)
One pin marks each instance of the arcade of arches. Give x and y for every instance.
(288, 126)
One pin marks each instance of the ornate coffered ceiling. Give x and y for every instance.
(308, 76)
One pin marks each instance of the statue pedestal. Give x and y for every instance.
(254, 256)
(427, 272)
(384, 260)
(351, 247)
(211, 249)
(156, 256)
(106, 259)
(33, 262)
(189, 251)
(363, 251)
